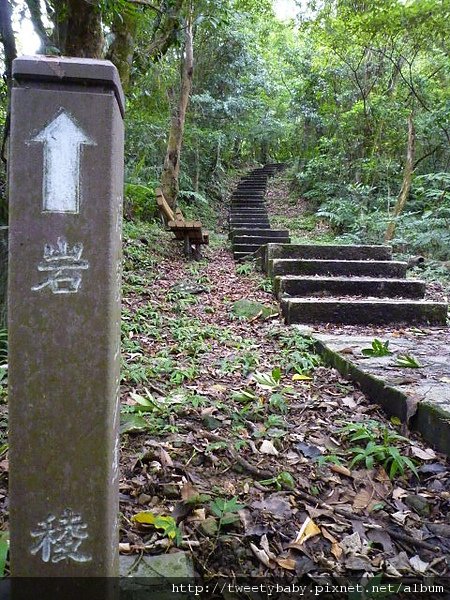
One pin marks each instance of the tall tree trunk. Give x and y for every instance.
(10, 53)
(171, 170)
(84, 29)
(121, 50)
(47, 46)
(407, 179)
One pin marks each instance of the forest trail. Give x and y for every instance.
(344, 284)
(237, 434)
(354, 296)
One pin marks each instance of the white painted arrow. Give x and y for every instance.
(62, 139)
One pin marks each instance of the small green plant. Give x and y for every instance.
(245, 268)
(381, 447)
(266, 285)
(283, 480)
(409, 361)
(167, 524)
(3, 345)
(378, 349)
(389, 456)
(325, 459)
(4, 548)
(226, 511)
(268, 381)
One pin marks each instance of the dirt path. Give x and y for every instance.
(238, 438)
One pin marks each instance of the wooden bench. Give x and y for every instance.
(190, 232)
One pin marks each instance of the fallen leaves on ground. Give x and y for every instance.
(214, 434)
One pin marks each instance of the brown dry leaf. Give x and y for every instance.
(286, 563)
(341, 470)
(363, 498)
(264, 542)
(164, 458)
(308, 530)
(189, 492)
(268, 448)
(382, 476)
(124, 548)
(351, 544)
(262, 556)
(327, 535)
(349, 402)
(427, 454)
(199, 514)
(400, 516)
(347, 350)
(412, 404)
(399, 493)
(336, 550)
(418, 565)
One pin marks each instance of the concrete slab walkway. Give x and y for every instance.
(419, 396)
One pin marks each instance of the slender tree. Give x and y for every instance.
(171, 170)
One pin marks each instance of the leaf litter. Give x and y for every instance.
(253, 450)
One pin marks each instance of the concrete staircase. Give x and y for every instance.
(249, 221)
(326, 284)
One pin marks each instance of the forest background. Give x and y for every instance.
(353, 95)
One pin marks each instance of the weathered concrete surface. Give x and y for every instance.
(282, 233)
(255, 239)
(248, 248)
(3, 275)
(329, 252)
(398, 390)
(246, 222)
(153, 576)
(375, 311)
(248, 210)
(350, 286)
(64, 317)
(367, 268)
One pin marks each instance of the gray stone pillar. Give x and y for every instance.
(3, 275)
(65, 182)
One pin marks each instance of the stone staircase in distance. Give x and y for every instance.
(248, 220)
(326, 283)
(347, 285)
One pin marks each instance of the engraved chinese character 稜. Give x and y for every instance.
(63, 265)
(60, 538)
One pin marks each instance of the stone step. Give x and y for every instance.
(248, 248)
(368, 268)
(249, 210)
(246, 225)
(347, 286)
(253, 231)
(250, 213)
(250, 195)
(238, 256)
(250, 202)
(250, 221)
(250, 183)
(258, 239)
(253, 182)
(329, 251)
(248, 205)
(352, 312)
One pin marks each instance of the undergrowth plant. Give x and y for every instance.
(372, 443)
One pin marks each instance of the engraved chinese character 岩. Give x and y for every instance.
(63, 265)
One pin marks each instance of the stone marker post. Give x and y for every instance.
(66, 181)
